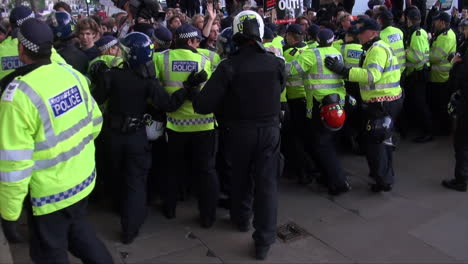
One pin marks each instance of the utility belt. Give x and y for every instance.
(126, 124)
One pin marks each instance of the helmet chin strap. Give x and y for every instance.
(145, 70)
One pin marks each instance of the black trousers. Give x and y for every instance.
(416, 103)
(193, 154)
(380, 156)
(253, 156)
(321, 146)
(439, 96)
(129, 161)
(222, 166)
(461, 148)
(54, 234)
(293, 135)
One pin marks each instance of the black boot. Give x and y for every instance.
(261, 252)
(11, 232)
(454, 185)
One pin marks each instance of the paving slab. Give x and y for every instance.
(197, 254)
(447, 233)
(5, 254)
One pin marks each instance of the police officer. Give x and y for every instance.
(322, 84)
(268, 37)
(443, 46)
(351, 50)
(110, 52)
(379, 80)
(64, 41)
(48, 152)
(417, 65)
(293, 129)
(128, 150)
(162, 39)
(9, 47)
(244, 92)
(393, 37)
(312, 36)
(190, 135)
(458, 107)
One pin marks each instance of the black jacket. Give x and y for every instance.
(73, 56)
(127, 93)
(245, 89)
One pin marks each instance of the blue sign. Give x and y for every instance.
(394, 37)
(354, 54)
(184, 66)
(65, 101)
(11, 63)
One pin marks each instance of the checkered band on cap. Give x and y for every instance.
(161, 42)
(108, 45)
(28, 44)
(20, 21)
(188, 35)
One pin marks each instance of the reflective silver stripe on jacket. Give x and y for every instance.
(64, 156)
(399, 50)
(191, 122)
(380, 86)
(13, 176)
(298, 67)
(16, 154)
(54, 198)
(441, 68)
(375, 66)
(324, 86)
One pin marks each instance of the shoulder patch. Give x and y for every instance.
(293, 52)
(10, 91)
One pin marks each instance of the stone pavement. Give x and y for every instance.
(418, 222)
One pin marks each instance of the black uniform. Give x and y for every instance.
(244, 93)
(73, 56)
(460, 73)
(127, 147)
(415, 89)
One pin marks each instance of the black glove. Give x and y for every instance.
(195, 79)
(96, 70)
(11, 233)
(192, 91)
(337, 66)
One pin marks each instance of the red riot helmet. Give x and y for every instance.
(332, 113)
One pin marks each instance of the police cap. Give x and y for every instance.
(369, 24)
(313, 30)
(325, 36)
(106, 42)
(188, 31)
(20, 14)
(36, 36)
(414, 14)
(163, 35)
(442, 16)
(268, 34)
(294, 28)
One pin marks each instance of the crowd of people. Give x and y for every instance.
(156, 105)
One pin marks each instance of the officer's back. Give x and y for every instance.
(254, 93)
